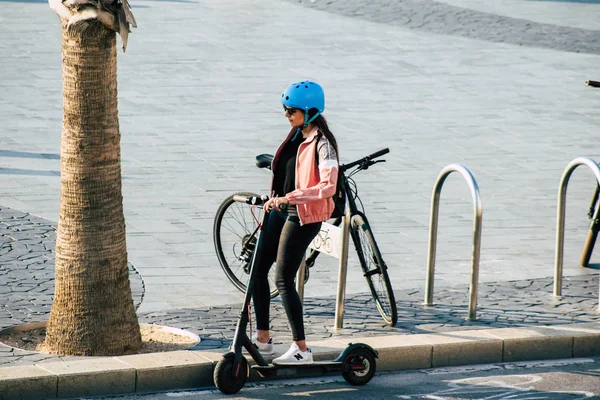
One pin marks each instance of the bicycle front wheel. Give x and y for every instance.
(374, 269)
(588, 247)
(235, 232)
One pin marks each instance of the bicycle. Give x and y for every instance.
(593, 215)
(236, 228)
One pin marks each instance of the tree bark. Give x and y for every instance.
(93, 311)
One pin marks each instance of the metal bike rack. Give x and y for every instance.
(433, 224)
(343, 271)
(560, 224)
(342, 274)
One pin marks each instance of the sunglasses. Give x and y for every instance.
(289, 110)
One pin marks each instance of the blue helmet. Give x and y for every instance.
(304, 95)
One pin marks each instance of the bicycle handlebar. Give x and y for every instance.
(378, 153)
(264, 161)
(592, 83)
(368, 158)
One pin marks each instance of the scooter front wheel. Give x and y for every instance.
(224, 378)
(362, 365)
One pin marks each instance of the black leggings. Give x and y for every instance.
(284, 241)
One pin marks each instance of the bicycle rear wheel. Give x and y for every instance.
(235, 232)
(374, 268)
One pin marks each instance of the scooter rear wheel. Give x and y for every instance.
(224, 379)
(362, 367)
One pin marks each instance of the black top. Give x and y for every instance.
(284, 176)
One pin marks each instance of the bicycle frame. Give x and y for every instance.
(313, 254)
(264, 161)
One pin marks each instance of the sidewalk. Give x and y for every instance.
(195, 113)
(198, 92)
(193, 368)
(517, 320)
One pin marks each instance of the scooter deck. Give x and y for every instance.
(314, 364)
(297, 370)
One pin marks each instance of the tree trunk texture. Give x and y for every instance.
(93, 311)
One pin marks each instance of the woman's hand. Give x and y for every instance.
(275, 203)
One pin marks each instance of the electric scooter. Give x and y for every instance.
(356, 363)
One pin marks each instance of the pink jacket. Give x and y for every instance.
(315, 184)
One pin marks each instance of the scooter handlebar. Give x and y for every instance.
(255, 201)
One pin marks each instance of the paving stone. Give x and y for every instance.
(420, 60)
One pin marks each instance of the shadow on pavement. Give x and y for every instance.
(593, 266)
(25, 154)
(20, 171)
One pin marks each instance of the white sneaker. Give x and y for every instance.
(264, 348)
(294, 356)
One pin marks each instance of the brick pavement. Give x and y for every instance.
(26, 266)
(198, 90)
(481, 21)
(583, 14)
(27, 245)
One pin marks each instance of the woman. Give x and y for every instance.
(305, 172)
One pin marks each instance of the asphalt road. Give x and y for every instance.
(558, 379)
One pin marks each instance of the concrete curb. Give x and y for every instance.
(192, 369)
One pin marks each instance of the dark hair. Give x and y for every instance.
(321, 123)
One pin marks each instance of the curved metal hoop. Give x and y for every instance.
(560, 218)
(433, 224)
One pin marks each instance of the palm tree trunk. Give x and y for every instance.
(93, 311)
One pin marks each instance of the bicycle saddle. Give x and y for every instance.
(264, 160)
